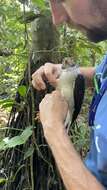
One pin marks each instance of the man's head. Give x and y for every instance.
(90, 16)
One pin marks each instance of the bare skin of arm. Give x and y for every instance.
(73, 172)
(88, 73)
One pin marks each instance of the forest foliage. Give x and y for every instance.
(15, 46)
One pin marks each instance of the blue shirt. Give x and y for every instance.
(96, 160)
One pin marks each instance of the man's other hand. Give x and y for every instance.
(53, 111)
(49, 72)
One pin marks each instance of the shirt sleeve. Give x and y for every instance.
(100, 67)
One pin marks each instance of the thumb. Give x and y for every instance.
(55, 83)
(54, 80)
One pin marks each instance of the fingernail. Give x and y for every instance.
(43, 87)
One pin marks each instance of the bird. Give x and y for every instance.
(71, 84)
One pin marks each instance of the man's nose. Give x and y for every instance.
(59, 14)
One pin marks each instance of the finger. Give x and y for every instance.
(44, 101)
(37, 86)
(57, 82)
(47, 96)
(33, 75)
(38, 81)
(56, 92)
(50, 73)
(58, 95)
(40, 71)
(40, 108)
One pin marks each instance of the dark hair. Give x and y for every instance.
(102, 6)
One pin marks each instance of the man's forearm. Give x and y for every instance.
(74, 174)
(88, 73)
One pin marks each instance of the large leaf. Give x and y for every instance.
(17, 140)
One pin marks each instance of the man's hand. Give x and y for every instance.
(49, 72)
(53, 111)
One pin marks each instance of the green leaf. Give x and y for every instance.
(6, 101)
(26, 133)
(8, 104)
(2, 145)
(29, 152)
(2, 181)
(22, 90)
(17, 140)
(40, 4)
(14, 141)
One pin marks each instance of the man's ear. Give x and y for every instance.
(59, 14)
